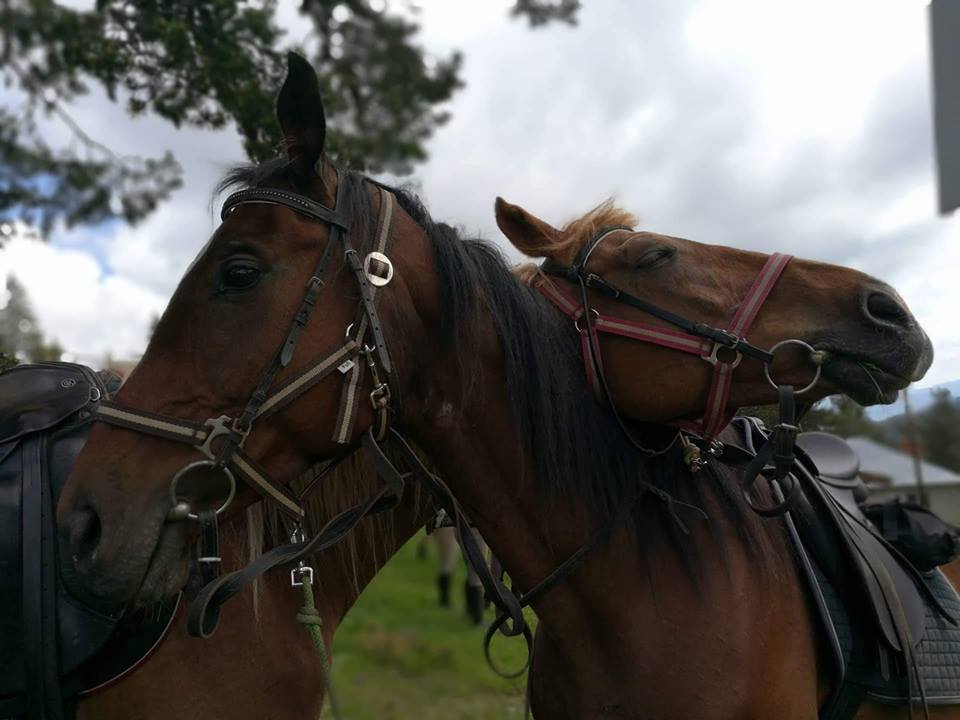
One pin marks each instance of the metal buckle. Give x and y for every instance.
(715, 360)
(375, 279)
(380, 396)
(223, 425)
(787, 428)
(301, 575)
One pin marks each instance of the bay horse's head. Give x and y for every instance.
(260, 362)
(869, 344)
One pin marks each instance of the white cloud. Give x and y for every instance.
(91, 314)
(800, 128)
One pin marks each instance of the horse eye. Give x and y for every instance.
(238, 275)
(655, 257)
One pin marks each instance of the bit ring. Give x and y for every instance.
(576, 322)
(801, 343)
(174, 498)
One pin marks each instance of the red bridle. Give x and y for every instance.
(695, 338)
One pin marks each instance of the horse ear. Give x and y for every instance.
(300, 112)
(528, 233)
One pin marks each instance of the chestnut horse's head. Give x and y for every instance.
(871, 345)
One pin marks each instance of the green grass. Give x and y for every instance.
(399, 654)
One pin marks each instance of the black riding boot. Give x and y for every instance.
(474, 597)
(443, 588)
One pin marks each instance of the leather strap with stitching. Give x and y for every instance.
(692, 337)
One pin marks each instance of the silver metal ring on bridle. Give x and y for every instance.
(576, 322)
(174, 498)
(801, 343)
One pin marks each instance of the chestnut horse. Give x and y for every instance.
(711, 622)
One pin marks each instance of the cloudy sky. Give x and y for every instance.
(763, 124)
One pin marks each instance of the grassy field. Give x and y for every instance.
(400, 655)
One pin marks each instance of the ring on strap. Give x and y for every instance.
(175, 498)
(801, 343)
(488, 639)
(576, 321)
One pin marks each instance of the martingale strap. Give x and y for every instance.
(723, 349)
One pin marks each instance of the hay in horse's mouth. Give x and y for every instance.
(862, 378)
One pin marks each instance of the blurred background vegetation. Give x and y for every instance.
(399, 655)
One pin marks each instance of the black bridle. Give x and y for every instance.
(221, 439)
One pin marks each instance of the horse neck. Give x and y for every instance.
(476, 444)
(644, 583)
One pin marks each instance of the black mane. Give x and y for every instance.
(574, 444)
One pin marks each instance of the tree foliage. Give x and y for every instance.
(844, 417)
(939, 428)
(208, 64)
(20, 337)
(935, 430)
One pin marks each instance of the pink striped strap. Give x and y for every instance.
(715, 416)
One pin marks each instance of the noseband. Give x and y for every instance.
(724, 349)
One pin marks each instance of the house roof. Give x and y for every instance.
(877, 459)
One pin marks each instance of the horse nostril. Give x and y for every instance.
(885, 309)
(83, 536)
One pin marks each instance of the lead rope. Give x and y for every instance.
(309, 617)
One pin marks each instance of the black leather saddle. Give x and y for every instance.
(887, 625)
(52, 647)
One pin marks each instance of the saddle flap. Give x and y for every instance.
(36, 397)
(840, 540)
(875, 560)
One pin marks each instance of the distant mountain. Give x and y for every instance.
(920, 400)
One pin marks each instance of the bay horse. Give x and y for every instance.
(707, 621)
(260, 663)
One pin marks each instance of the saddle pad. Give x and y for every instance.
(938, 653)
